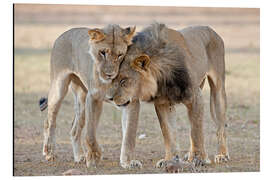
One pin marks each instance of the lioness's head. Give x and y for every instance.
(108, 47)
(134, 81)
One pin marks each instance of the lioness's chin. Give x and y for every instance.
(105, 81)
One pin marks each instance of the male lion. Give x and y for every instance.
(167, 67)
(88, 59)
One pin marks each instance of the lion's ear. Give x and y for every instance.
(96, 35)
(141, 63)
(129, 33)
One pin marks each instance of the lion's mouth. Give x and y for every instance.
(125, 104)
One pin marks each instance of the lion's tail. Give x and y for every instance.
(43, 103)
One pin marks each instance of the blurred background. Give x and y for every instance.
(37, 26)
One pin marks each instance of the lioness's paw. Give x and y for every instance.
(50, 157)
(92, 158)
(161, 163)
(197, 160)
(132, 164)
(221, 158)
(48, 152)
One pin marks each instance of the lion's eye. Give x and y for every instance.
(122, 82)
(102, 53)
(120, 56)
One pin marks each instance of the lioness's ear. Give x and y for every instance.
(141, 63)
(129, 33)
(96, 35)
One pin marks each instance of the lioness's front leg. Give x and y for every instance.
(195, 109)
(167, 119)
(130, 116)
(93, 109)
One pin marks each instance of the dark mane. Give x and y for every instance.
(150, 40)
(174, 81)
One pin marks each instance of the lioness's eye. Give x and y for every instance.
(102, 53)
(122, 82)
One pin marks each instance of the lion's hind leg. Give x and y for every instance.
(218, 113)
(58, 90)
(195, 108)
(216, 79)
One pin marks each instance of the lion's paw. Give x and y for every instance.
(80, 160)
(92, 158)
(221, 158)
(197, 160)
(135, 164)
(132, 164)
(161, 163)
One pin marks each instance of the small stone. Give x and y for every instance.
(142, 136)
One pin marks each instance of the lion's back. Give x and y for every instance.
(201, 40)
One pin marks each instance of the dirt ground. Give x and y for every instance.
(36, 28)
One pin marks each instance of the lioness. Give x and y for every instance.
(167, 67)
(88, 59)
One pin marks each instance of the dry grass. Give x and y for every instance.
(36, 27)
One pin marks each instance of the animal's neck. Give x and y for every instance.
(148, 87)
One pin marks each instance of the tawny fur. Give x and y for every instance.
(168, 67)
(88, 60)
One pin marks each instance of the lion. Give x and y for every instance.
(167, 67)
(88, 60)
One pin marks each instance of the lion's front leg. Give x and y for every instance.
(130, 116)
(197, 153)
(93, 109)
(167, 119)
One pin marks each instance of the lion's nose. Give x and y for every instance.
(109, 75)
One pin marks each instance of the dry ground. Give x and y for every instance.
(37, 26)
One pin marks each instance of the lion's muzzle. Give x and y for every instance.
(124, 105)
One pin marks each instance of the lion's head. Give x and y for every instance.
(108, 47)
(134, 81)
(154, 69)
